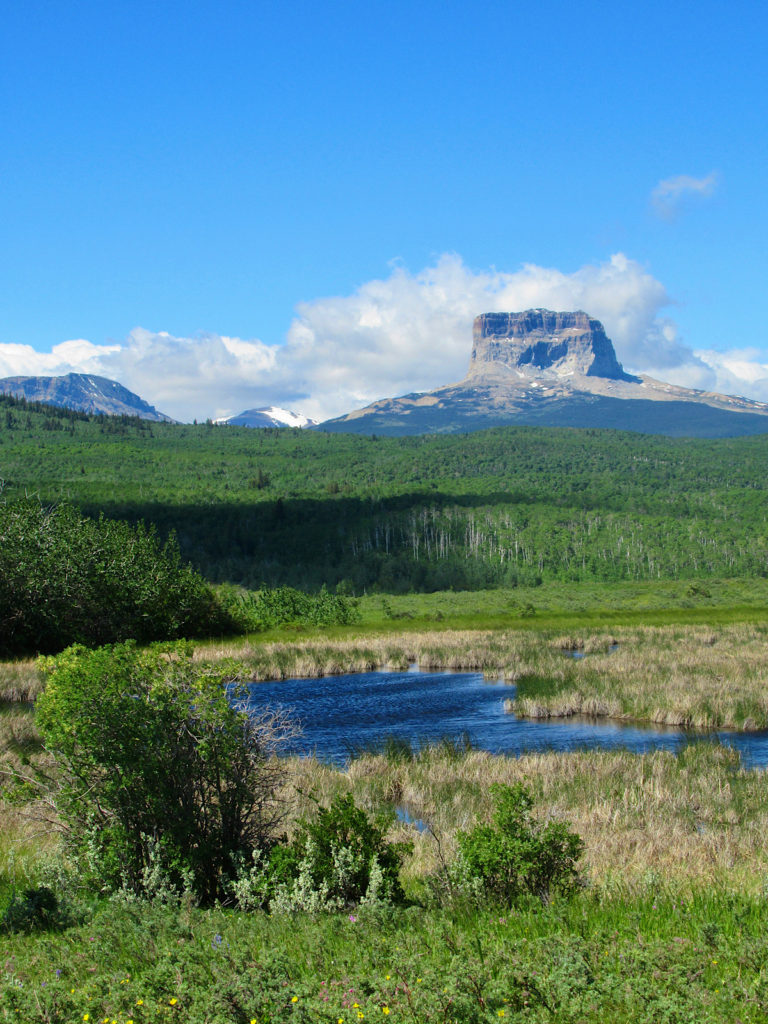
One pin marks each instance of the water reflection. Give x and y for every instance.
(341, 714)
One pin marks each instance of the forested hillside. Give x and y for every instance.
(508, 505)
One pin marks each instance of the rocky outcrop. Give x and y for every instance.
(539, 341)
(554, 369)
(84, 392)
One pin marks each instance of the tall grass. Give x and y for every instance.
(695, 818)
(691, 676)
(20, 681)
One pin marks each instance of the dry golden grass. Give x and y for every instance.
(461, 650)
(20, 681)
(26, 838)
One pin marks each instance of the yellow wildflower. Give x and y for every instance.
(294, 999)
(173, 1000)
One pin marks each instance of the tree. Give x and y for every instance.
(159, 770)
(68, 579)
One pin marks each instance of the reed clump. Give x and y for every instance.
(459, 650)
(20, 681)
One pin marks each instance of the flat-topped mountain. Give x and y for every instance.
(84, 392)
(555, 369)
(539, 341)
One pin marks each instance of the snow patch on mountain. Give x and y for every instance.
(268, 416)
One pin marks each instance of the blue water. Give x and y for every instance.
(343, 714)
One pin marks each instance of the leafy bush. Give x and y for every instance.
(163, 783)
(68, 579)
(516, 855)
(263, 609)
(339, 859)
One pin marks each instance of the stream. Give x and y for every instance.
(345, 714)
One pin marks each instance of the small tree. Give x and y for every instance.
(159, 769)
(516, 855)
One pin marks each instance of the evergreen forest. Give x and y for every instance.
(503, 507)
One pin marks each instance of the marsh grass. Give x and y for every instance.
(694, 677)
(20, 681)
(695, 818)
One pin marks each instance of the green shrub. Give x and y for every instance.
(68, 579)
(258, 610)
(164, 784)
(338, 859)
(516, 855)
(31, 910)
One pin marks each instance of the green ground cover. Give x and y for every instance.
(657, 957)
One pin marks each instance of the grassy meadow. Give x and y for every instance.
(669, 924)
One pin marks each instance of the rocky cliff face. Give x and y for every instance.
(539, 342)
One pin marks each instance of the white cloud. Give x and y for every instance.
(738, 372)
(405, 332)
(671, 193)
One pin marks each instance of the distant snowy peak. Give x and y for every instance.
(270, 416)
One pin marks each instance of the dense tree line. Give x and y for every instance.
(503, 506)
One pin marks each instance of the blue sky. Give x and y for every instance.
(236, 204)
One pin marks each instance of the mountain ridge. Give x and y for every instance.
(84, 392)
(267, 416)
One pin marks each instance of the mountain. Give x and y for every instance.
(554, 369)
(270, 416)
(84, 392)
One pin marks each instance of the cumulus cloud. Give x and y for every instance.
(404, 332)
(738, 372)
(671, 193)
